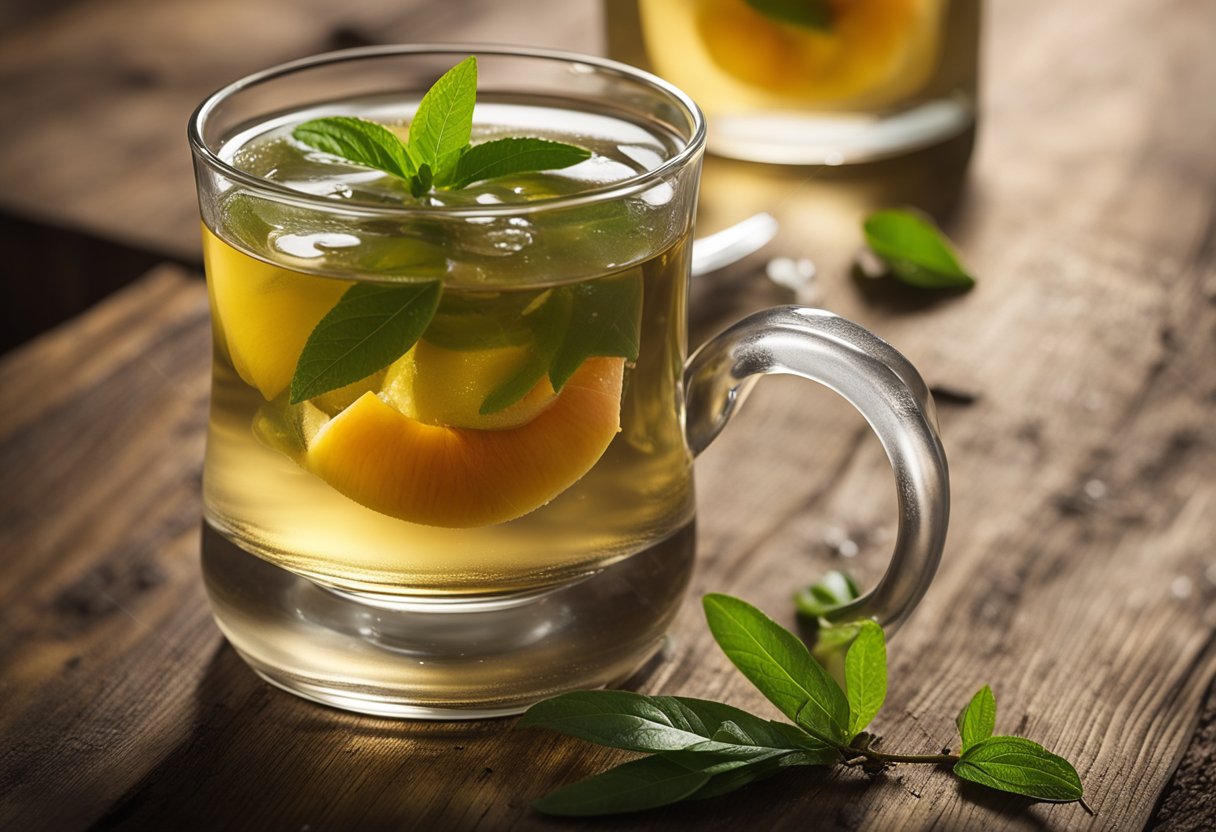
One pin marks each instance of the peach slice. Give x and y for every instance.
(875, 50)
(447, 387)
(463, 477)
(265, 313)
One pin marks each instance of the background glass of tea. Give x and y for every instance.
(811, 82)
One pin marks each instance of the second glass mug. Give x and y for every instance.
(386, 547)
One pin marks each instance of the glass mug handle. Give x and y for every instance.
(876, 380)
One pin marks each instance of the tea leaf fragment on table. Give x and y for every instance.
(915, 250)
(834, 589)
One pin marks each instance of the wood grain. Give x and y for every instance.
(95, 96)
(1079, 579)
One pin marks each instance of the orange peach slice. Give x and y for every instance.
(874, 50)
(463, 477)
(265, 313)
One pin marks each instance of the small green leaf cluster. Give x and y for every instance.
(700, 749)
(373, 325)
(914, 250)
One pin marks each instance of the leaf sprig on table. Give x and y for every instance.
(373, 325)
(699, 749)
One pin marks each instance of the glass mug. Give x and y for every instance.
(814, 83)
(397, 547)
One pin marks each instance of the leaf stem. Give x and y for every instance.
(937, 759)
(863, 750)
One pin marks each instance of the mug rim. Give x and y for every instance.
(593, 195)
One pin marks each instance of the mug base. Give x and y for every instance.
(416, 657)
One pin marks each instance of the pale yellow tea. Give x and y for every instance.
(458, 467)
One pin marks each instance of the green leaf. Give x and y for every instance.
(834, 589)
(977, 720)
(635, 722)
(658, 780)
(810, 14)
(359, 141)
(503, 157)
(777, 663)
(865, 673)
(548, 323)
(728, 781)
(915, 250)
(640, 784)
(443, 123)
(605, 320)
(371, 326)
(421, 182)
(1013, 764)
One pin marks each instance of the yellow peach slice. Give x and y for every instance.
(874, 50)
(462, 477)
(264, 312)
(439, 386)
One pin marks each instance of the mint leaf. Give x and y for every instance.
(728, 781)
(605, 320)
(503, 157)
(777, 663)
(443, 122)
(865, 674)
(421, 182)
(596, 318)
(663, 779)
(977, 720)
(635, 722)
(915, 250)
(810, 14)
(640, 784)
(548, 323)
(1013, 764)
(370, 327)
(834, 589)
(359, 141)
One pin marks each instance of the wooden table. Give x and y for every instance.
(1078, 382)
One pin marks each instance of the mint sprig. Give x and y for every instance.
(437, 153)
(372, 326)
(914, 250)
(700, 749)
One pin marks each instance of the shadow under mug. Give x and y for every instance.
(356, 602)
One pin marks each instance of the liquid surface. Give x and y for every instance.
(399, 483)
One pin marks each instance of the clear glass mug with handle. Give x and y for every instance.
(505, 510)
